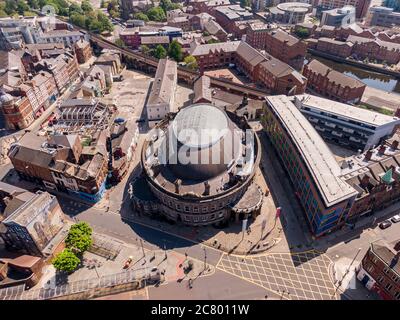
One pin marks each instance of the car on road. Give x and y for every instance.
(385, 224)
(396, 218)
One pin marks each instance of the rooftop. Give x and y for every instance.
(333, 75)
(320, 161)
(166, 76)
(346, 111)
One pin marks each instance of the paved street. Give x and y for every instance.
(293, 276)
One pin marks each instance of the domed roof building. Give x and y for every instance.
(199, 166)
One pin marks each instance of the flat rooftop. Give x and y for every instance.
(320, 161)
(346, 111)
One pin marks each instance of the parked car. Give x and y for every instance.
(396, 218)
(385, 224)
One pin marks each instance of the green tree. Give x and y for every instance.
(245, 3)
(74, 8)
(141, 16)
(22, 7)
(156, 14)
(145, 49)
(79, 238)
(82, 227)
(212, 40)
(302, 33)
(34, 4)
(113, 8)
(86, 6)
(78, 19)
(10, 7)
(3, 14)
(66, 261)
(175, 51)
(120, 43)
(160, 52)
(103, 4)
(191, 62)
(168, 5)
(105, 22)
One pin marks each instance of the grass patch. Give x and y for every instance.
(377, 109)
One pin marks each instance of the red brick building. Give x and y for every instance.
(380, 270)
(375, 49)
(83, 50)
(332, 84)
(277, 43)
(16, 108)
(334, 47)
(277, 76)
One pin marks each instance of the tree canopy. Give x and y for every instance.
(302, 33)
(175, 50)
(141, 16)
(168, 5)
(79, 238)
(66, 261)
(160, 52)
(156, 14)
(191, 62)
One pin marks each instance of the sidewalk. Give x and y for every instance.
(364, 224)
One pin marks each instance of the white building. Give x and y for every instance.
(162, 95)
(344, 124)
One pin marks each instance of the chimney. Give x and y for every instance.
(395, 144)
(382, 149)
(368, 155)
(206, 188)
(177, 183)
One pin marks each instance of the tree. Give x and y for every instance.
(156, 14)
(78, 19)
(104, 21)
(212, 40)
(86, 6)
(74, 8)
(79, 238)
(82, 227)
(103, 4)
(175, 51)
(66, 261)
(120, 43)
(113, 8)
(191, 62)
(10, 7)
(34, 4)
(302, 33)
(160, 52)
(167, 5)
(141, 16)
(22, 7)
(145, 49)
(245, 3)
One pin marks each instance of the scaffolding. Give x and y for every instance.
(83, 118)
(105, 247)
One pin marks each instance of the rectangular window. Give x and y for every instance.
(388, 286)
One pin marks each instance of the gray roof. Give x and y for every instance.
(346, 111)
(163, 84)
(321, 163)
